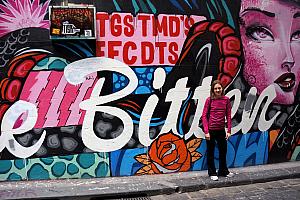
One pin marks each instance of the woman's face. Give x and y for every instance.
(218, 90)
(270, 32)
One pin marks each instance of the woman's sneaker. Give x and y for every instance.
(214, 178)
(230, 175)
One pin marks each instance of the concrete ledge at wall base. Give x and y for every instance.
(143, 186)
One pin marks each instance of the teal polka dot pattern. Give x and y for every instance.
(58, 169)
(85, 175)
(11, 170)
(72, 169)
(37, 171)
(43, 62)
(85, 165)
(86, 160)
(54, 63)
(102, 168)
(47, 161)
(14, 177)
(57, 64)
(19, 163)
(68, 157)
(5, 166)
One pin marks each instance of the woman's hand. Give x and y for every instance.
(227, 135)
(207, 136)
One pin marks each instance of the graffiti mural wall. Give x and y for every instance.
(130, 101)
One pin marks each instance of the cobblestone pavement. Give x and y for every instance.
(288, 189)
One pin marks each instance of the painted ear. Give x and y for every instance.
(213, 49)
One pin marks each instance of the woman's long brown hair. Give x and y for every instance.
(212, 93)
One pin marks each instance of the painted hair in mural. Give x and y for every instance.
(130, 102)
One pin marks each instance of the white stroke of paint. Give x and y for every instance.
(75, 73)
(8, 131)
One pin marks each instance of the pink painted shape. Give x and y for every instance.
(52, 117)
(39, 89)
(84, 93)
(71, 93)
(35, 83)
(45, 97)
(57, 101)
(20, 120)
(87, 96)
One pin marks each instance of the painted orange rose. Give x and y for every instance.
(169, 153)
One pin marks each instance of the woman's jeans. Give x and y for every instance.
(218, 136)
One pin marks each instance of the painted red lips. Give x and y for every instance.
(286, 81)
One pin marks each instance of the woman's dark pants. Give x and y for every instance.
(218, 136)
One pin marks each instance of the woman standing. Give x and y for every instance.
(217, 107)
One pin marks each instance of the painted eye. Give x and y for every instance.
(296, 36)
(259, 33)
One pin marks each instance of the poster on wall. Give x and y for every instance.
(72, 22)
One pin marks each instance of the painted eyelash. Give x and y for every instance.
(251, 29)
(296, 33)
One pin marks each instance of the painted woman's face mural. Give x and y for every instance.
(270, 32)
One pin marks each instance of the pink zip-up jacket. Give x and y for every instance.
(219, 109)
